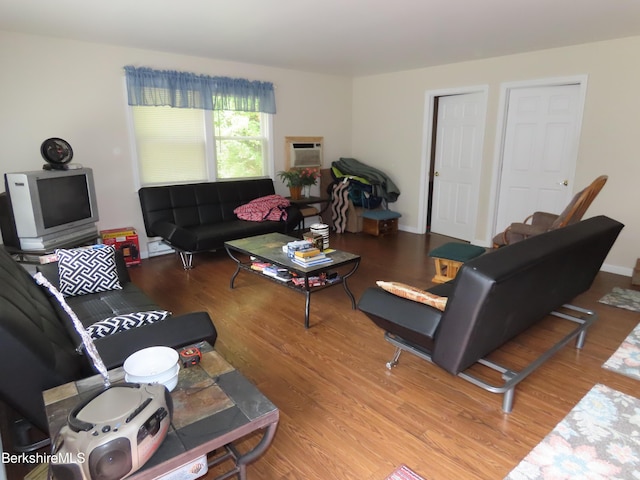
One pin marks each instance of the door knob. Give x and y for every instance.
(565, 183)
(436, 174)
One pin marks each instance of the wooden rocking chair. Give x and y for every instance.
(540, 222)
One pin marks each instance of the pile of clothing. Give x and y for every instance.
(364, 186)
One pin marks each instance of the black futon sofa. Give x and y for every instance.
(39, 350)
(494, 298)
(199, 217)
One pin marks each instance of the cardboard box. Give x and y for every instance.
(635, 279)
(126, 240)
(118, 232)
(315, 238)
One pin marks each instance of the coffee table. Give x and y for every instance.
(213, 406)
(268, 248)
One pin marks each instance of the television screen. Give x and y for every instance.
(64, 200)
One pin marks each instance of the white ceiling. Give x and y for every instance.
(341, 37)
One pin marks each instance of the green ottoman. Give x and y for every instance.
(450, 257)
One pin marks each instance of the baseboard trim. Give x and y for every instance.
(627, 272)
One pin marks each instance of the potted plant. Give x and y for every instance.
(296, 178)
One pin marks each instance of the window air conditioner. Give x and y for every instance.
(306, 154)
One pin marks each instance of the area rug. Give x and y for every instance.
(622, 298)
(404, 473)
(626, 359)
(599, 439)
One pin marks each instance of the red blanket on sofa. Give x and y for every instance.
(271, 207)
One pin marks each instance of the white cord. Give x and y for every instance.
(89, 346)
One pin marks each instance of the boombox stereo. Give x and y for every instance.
(112, 434)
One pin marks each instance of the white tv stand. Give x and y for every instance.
(32, 248)
(75, 236)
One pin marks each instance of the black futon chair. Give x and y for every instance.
(494, 298)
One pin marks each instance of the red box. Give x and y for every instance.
(125, 240)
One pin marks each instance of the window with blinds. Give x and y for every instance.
(182, 145)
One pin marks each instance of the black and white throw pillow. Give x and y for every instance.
(119, 323)
(87, 270)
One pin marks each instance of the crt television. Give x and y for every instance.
(51, 208)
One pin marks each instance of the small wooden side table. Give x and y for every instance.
(305, 205)
(380, 222)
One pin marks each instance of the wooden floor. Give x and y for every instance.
(343, 414)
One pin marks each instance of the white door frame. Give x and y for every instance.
(427, 142)
(505, 89)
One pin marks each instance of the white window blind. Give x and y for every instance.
(170, 145)
(182, 145)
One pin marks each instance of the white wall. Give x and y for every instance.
(388, 125)
(74, 90)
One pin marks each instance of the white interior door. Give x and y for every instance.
(458, 155)
(539, 153)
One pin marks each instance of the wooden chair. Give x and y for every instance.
(540, 222)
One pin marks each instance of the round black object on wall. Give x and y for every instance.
(57, 152)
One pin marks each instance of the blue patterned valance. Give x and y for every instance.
(148, 87)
